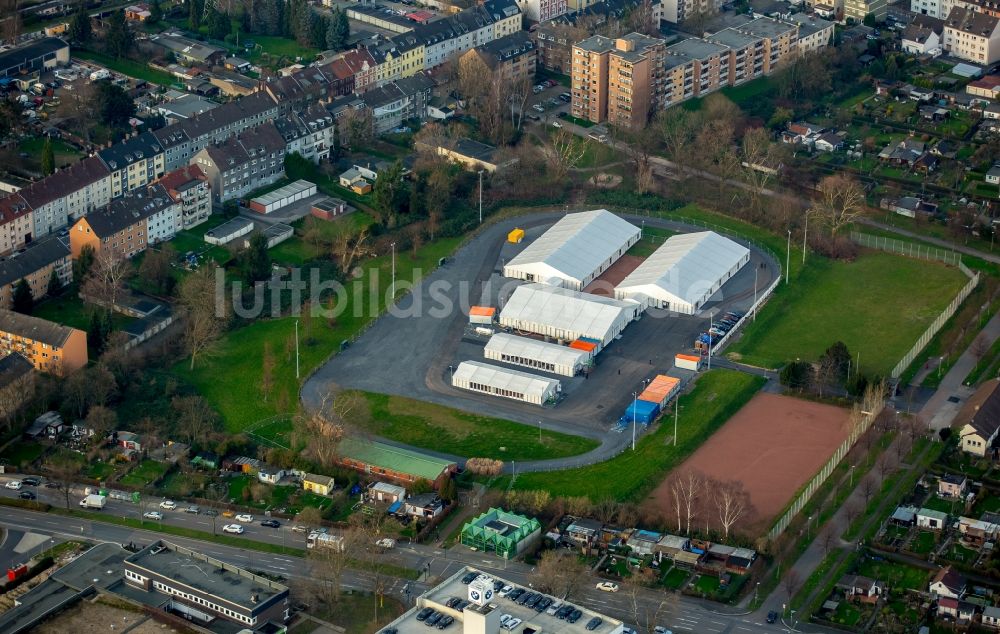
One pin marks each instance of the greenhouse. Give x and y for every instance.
(500, 532)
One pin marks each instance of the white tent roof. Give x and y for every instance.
(579, 243)
(686, 266)
(553, 353)
(531, 385)
(565, 309)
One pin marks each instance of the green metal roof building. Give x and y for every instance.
(393, 463)
(500, 532)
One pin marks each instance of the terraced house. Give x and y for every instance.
(134, 163)
(128, 224)
(188, 187)
(36, 264)
(251, 160)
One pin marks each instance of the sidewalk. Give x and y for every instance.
(939, 411)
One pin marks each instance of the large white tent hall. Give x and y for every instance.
(684, 272)
(532, 353)
(575, 250)
(565, 314)
(498, 381)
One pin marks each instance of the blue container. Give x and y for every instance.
(645, 412)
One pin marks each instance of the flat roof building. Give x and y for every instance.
(500, 532)
(499, 381)
(383, 461)
(38, 56)
(283, 196)
(483, 614)
(684, 272)
(574, 251)
(203, 589)
(566, 314)
(532, 353)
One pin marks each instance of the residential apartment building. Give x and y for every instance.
(36, 265)
(696, 67)
(87, 184)
(184, 139)
(936, 8)
(135, 163)
(542, 10)
(309, 133)
(390, 105)
(814, 32)
(618, 80)
(251, 160)
(512, 57)
(857, 10)
(677, 11)
(189, 188)
(128, 224)
(780, 40)
(972, 35)
(186, 582)
(555, 38)
(50, 347)
(17, 227)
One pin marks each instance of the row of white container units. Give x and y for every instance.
(539, 355)
(495, 380)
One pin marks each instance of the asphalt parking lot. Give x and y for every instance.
(410, 355)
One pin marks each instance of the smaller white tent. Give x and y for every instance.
(498, 381)
(532, 353)
(684, 272)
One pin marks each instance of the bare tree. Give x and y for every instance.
(763, 158)
(692, 484)
(327, 564)
(267, 364)
(869, 487)
(62, 470)
(840, 202)
(564, 152)
(105, 281)
(559, 573)
(349, 242)
(886, 464)
(732, 503)
(791, 582)
(605, 510)
(851, 511)
(195, 418)
(323, 430)
(205, 323)
(827, 539)
(14, 395)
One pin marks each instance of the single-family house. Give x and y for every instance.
(426, 506)
(933, 114)
(242, 464)
(829, 142)
(471, 155)
(947, 583)
(923, 36)
(931, 519)
(952, 485)
(801, 132)
(975, 532)
(904, 516)
(48, 425)
(979, 420)
(643, 542)
(993, 175)
(960, 611)
(991, 111)
(584, 532)
(945, 149)
(386, 492)
(270, 475)
(991, 617)
(909, 206)
(906, 152)
(670, 545)
(128, 440)
(318, 484)
(861, 589)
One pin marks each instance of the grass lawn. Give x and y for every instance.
(193, 240)
(895, 575)
(707, 584)
(68, 309)
(100, 470)
(144, 474)
(63, 152)
(597, 154)
(224, 378)
(180, 484)
(961, 554)
(652, 239)
(878, 297)
(846, 614)
(356, 612)
(936, 503)
(460, 433)
(278, 46)
(22, 453)
(923, 543)
(675, 578)
(296, 251)
(990, 504)
(128, 67)
(717, 395)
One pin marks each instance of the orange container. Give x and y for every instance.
(660, 389)
(586, 346)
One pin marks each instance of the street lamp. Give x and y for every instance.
(788, 255)
(635, 396)
(392, 287)
(539, 432)
(480, 196)
(852, 477)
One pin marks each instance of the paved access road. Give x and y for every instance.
(682, 614)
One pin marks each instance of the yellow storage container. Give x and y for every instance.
(515, 236)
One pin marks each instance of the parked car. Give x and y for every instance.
(445, 622)
(433, 619)
(607, 586)
(772, 616)
(594, 623)
(14, 484)
(152, 515)
(235, 529)
(469, 578)
(504, 618)
(574, 616)
(514, 594)
(244, 517)
(27, 495)
(538, 107)
(271, 523)
(533, 117)
(30, 481)
(557, 124)
(299, 528)
(511, 624)
(168, 505)
(193, 510)
(504, 591)
(659, 629)
(423, 614)
(452, 602)
(211, 513)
